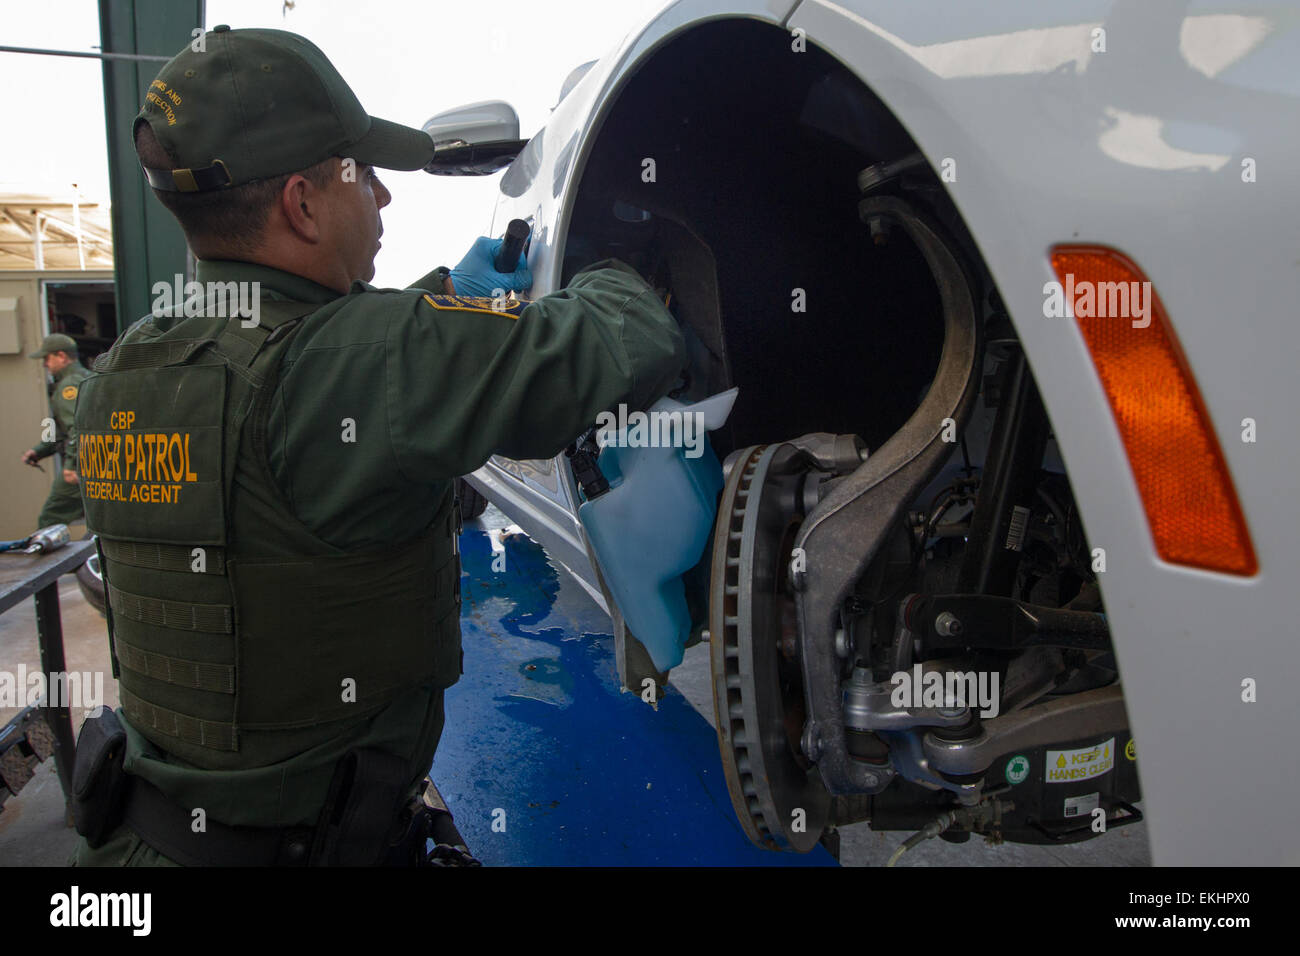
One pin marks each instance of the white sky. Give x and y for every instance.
(406, 60)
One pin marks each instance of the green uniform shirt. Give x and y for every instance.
(386, 395)
(63, 403)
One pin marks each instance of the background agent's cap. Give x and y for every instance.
(55, 343)
(254, 104)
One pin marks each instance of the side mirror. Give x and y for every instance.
(474, 140)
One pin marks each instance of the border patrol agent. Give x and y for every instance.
(274, 499)
(59, 355)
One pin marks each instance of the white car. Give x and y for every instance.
(1007, 520)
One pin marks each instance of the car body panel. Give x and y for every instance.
(1140, 148)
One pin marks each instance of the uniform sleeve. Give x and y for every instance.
(70, 446)
(45, 449)
(65, 418)
(433, 282)
(524, 385)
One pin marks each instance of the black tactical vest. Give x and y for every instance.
(239, 637)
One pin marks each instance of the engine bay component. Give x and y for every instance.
(868, 706)
(987, 815)
(1092, 713)
(777, 793)
(964, 620)
(849, 526)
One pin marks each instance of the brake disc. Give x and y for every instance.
(777, 794)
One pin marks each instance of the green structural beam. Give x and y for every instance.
(147, 244)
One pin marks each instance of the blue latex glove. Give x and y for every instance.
(477, 275)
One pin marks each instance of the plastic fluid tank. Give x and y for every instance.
(651, 527)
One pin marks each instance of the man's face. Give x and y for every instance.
(354, 220)
(56, 362)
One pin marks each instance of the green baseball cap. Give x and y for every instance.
(236, 106)
(55, 343)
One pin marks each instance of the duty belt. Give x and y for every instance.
(168, 828)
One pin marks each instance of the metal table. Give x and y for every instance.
(22, 575)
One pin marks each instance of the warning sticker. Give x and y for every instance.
(1066, 766)
(1081, 805)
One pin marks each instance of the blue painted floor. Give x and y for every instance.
(545, 763)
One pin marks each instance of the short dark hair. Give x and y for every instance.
(233, 218)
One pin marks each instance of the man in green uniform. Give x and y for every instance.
(59, 355)
(269, 466)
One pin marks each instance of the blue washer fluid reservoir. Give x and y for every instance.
(651, 527)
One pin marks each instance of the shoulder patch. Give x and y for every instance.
(70, 392)
(509, 307)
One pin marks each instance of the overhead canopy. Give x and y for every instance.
(59, 229)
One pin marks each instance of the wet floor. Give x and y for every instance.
(544, 762)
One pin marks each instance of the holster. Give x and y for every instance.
(426, 818)
(357, 825)
(98, 777)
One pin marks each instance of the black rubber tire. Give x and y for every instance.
(92, 585)
(472, 504)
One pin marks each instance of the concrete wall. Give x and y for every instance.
(24, 402)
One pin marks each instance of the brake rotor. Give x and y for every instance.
(758, 705)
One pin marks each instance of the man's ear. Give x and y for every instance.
(302, 204)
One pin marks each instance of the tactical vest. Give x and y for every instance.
(240, 638)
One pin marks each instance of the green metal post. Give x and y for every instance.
(148, 246)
